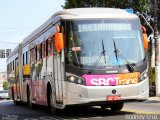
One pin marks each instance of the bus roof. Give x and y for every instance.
(93, 13)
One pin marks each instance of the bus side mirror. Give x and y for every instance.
(145, 38)
(58, 40)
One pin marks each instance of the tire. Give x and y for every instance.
(29, 99)
(104, 106)
(17, 102)
(13, 98)
(52, 102)
(116, 106)
(12, 94)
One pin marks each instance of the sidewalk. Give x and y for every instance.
(153, 99)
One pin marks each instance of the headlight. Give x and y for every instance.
(144, 75)
(74, 79)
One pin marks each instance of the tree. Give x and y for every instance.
(5, 85)
(138, 5)
(151, 10)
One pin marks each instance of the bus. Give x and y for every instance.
(81, 56)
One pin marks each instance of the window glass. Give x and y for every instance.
(38, 54)
(50, 46)
(13, 65)
(35, 53)
(27, 57)
(87, 39)
(46, 47)
(43, 49)
(40, 51)
(32, 55)
(23, 59)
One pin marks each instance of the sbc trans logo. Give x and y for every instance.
(111, 80)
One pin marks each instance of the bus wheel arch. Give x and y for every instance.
(51, 99)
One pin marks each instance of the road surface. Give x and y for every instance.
(131, 111)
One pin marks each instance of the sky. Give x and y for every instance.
(19, 18)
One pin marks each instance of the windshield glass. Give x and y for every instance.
(86, 38)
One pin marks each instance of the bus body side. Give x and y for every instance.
(72, 75)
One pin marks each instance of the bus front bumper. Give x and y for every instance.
(79, 94)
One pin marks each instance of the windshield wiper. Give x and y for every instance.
(115, 50)
(99, 58)
(104, 56)
(120, 55)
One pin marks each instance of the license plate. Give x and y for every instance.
(113, 97)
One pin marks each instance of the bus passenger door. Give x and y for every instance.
(59, 65)
(58, 70)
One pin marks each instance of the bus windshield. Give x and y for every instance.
(89, 38)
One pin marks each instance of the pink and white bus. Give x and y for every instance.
(83, 56)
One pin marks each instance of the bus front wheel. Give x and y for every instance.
(52, 103)
(29, 99)
(104, 106)
(116, 106)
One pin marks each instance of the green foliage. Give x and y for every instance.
(5, 85)
(139, 5)
(151, 73)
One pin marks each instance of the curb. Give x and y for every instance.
(153, 99)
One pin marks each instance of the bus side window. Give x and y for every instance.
(13, 65)
(40, 51)
(37, 52)
(32, 55)
(46, 47)
(23, 59)
(43, 50)
(54, 48)
(16, 67)
(10, 67)
(27, 57)
(50, 46)
(67, 54)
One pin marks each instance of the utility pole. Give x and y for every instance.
(157, 60)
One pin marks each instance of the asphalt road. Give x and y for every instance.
(131, 111)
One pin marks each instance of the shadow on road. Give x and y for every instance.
(79, 112)
(40, 112)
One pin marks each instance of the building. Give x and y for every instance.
(3, 77)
